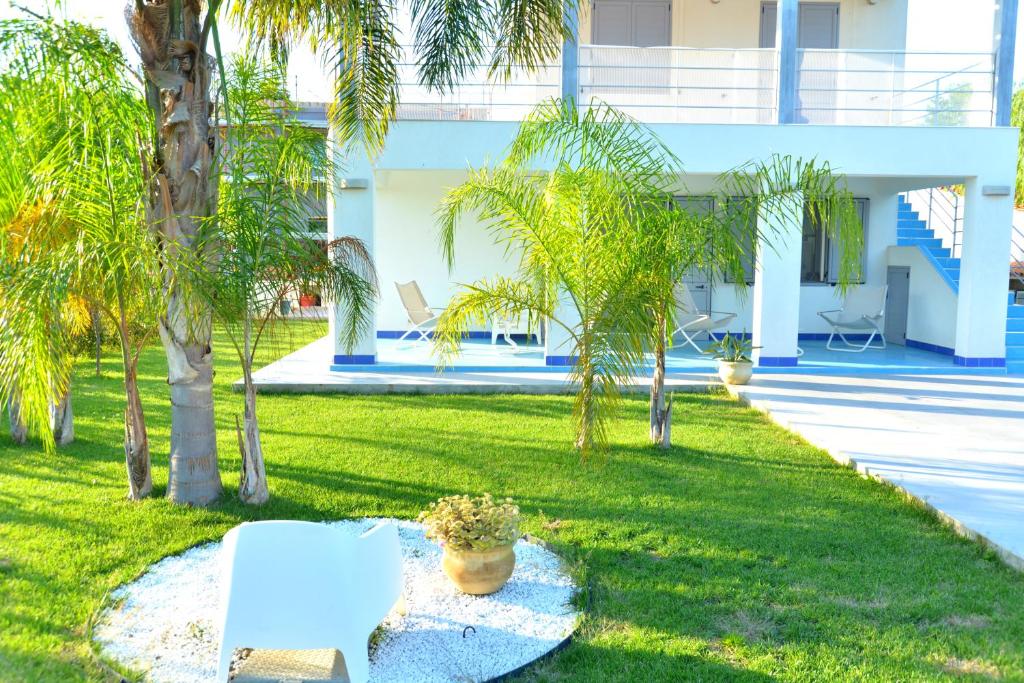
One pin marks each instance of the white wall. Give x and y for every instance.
(931, 316)
(407, 246)
(737, 23)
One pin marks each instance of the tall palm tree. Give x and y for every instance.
(721, 242)
(362, 44)
(583, 232)
(72, 224)
(271, 167)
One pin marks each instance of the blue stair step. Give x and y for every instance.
(1011, 298)
(1014, 339)
(949, 262)
(905, 214)
(1015, 353)
(953, 273)
(910, 233)
(1015, 325)
(911, 225)
(1015, 311)
(939, 252)
(1015, 367)
(916, 241)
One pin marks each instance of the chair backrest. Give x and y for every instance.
(686, 306)
(865, 300)
(286, 581)
(415, 305)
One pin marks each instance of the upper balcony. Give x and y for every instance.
(841, 63)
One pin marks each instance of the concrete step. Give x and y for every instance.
(911, 225)
(1015, 324)
(920, 242)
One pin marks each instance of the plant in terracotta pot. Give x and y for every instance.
(477, 535)
(733, 356)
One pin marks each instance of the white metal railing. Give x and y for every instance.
(895, 88)
(942, 208)
(476, 97)
(681, 84)
(1017, 256)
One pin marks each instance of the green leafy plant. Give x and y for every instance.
(732, 349)
(464, 523)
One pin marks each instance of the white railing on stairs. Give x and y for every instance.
(1017, 256)
(942, 209)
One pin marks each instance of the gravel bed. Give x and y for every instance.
(167, 622)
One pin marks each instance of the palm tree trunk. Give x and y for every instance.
(661, 410)
(62, 420)
(136, 441)
(19, 430)
(183, 190)
(252, 488)
(97, 334)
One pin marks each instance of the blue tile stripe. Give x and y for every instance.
(777, 361)
(560, 361)
(980, 362)
(925, 346)
(355, 360)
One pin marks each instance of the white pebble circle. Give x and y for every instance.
(166, 623)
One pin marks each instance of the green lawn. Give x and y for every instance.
(741, 554)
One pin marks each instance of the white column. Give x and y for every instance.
(786, 32)
(350, 213)
(1004, 43)
(559, 347)
(984, 274)
(777, 284)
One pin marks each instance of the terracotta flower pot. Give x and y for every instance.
(738, 372)
(479, 572)
(307, 300)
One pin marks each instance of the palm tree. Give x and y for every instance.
(721, 242)
(584, 234)
(361, 42)
(272, 165)
(74, 227)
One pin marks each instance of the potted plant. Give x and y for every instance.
(733, 356)
(477, 535)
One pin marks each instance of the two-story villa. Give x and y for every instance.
(723, 82)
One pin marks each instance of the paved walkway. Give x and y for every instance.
(956, 443)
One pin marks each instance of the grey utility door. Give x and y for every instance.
(897, 305)
(818, 25)
(697, 279)
(635, 23)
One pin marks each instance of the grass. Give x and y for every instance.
(741, 554)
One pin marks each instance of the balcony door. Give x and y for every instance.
(818, 25)
(632, 23)
(817, 29)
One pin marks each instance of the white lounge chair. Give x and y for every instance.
(422, 318)
(307, 586)
(862, 311)
(692, 321)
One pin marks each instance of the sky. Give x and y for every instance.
(939, 25)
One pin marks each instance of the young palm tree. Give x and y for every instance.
(73, 224)
(361, 42)
(721, 242)
(272, 164)
(583, 232)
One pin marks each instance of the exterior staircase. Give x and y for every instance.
(912, 231)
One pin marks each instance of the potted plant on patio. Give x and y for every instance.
(477, 535)
(733, 356)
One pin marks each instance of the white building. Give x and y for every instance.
(723, 82)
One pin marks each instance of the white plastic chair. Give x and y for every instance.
(306, 586)
(863, 310)
(421, 316)
(692, 321)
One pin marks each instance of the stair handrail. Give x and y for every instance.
(944, 216)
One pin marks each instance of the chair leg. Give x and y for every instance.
(852, 347)
(689, 340)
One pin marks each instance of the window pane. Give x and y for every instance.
(834, 250)
(812, 258)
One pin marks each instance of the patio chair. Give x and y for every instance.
(307, 586)
(422, 318)
(692, 321)
(862, 311)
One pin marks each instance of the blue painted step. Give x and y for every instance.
(1015, 311)
(1015, 353)
(1015, 324)
(953, 273)
(907, 215)
(1014, 339)
(916, 241)
(949, 262)
(911, 225)
(909, 233)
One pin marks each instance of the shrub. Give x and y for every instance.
(464, 523)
